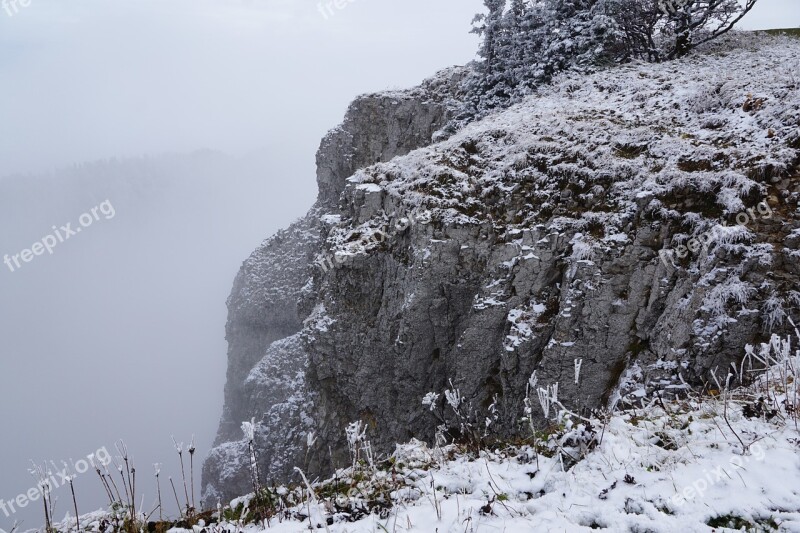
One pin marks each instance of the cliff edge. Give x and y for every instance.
(617, 234)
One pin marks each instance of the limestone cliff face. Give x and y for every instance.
(271, 300)
(544, 239)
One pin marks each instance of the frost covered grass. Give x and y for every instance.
(727, 457)
(610, 144)
(126, 511)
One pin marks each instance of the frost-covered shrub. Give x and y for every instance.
(528, 42)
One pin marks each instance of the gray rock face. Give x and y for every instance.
(379, 127)
(540, 240)
(270, 298)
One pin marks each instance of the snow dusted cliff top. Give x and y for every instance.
(685, 147)
(642, 129)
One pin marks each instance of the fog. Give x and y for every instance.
(194, 122)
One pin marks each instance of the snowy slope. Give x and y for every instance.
(720, 461)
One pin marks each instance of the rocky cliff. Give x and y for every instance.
(625, 231)
(272, 295)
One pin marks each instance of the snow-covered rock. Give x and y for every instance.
(642, 220)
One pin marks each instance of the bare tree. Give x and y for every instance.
(694, 22)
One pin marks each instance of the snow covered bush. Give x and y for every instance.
(526, 43)
(530, 42)
(690, 23)
(459, 421)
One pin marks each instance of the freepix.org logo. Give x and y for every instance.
(718, 234)
(699, 487)
(53, 479)
(12, 7)
(60, 235)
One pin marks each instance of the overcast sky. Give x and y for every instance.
(82, 80)
(89, 79)
(86, 79)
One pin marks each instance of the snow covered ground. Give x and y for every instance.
(673, 470)
(724, 460)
